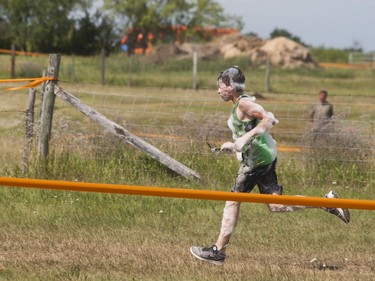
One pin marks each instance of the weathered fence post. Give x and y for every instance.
(350, 58)
(48, 106)
(43, 89)
(195, 62)
(12, 62)
(267, 77)
(29, 130)
(102, 66)
(72, 69)
(130, 70)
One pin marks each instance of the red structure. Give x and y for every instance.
(137, 41)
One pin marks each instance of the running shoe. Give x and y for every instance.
(342, 214)
(211, 254)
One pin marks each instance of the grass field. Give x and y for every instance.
(56, 235)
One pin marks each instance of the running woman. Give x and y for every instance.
(257, 153)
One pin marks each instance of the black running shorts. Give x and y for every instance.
(264, 176)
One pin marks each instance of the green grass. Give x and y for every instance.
(177, 73)
(61, 235)
(81, 236)
(86, 236)
(329, 55)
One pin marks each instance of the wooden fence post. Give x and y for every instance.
(48, 106)
(29, 130)
(130, 70)
(12, 62)
(102, 64)
(267, 78)
(195, 63)
(72, 69)
(43, 89)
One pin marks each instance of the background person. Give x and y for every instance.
(321, 115)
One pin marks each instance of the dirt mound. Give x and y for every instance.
(226, 46)
(281, 51)
(240, 46)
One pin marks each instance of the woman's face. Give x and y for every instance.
(224, 91)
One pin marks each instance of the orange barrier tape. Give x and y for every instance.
(284, 148)
(5, 51)
(34, 82)
(287, 148)
(189, 193)
(345, 65)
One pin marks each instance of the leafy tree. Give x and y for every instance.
(67, 25)
(92, 33)
(108, 33)
(159, 15)
(206, 13)
(282, 32)
(38, 25)
(5, 38)
(356, 47)
(251, 34)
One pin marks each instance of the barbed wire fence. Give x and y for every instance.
(175, 123)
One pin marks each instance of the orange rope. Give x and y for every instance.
(5, 51)
(34, 82)
(189, 193)
(345, 65)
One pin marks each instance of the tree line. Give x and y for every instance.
(84, 27)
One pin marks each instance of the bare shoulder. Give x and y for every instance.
(250, 106)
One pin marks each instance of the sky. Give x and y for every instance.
(328, 23)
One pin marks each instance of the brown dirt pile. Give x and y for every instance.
(282, 52)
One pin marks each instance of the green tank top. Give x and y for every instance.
(261, 150)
